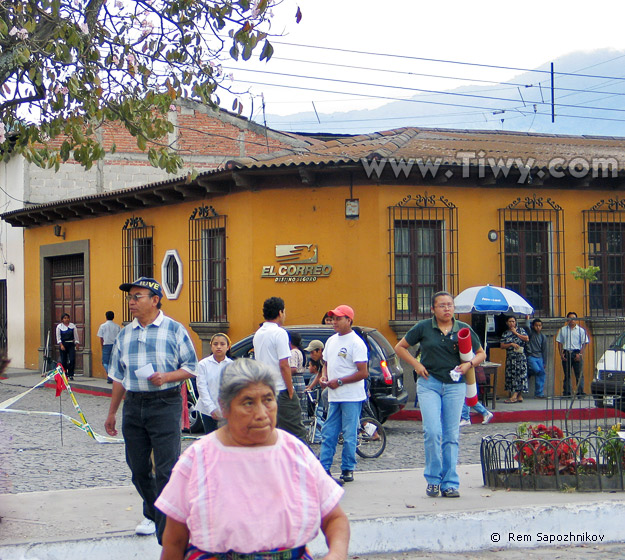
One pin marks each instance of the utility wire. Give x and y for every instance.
(419, 90)
(439, 76)
(443, 61)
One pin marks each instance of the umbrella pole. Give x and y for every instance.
(486, 332)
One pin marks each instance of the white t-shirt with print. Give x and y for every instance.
(342, 353)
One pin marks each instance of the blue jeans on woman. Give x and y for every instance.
(342, 417)
(441, 406)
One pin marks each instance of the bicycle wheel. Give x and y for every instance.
(371, 438)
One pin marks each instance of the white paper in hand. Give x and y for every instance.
(145, 371)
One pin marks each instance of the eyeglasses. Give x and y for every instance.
(445, 306)
(135, 297)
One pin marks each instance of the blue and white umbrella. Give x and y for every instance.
(491, 300)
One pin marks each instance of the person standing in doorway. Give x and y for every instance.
(440, 396)
(572, 340)
(150, 358)
(67, 339)
(271, 347)
(107, 333)
(344, 374)
(536, 350)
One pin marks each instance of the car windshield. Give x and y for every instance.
(619, 343)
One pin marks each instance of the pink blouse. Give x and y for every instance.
(249, 499)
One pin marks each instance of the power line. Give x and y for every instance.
(438, 76)
(420, 90)
(444, 61)
(412, 100)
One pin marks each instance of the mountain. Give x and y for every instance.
(596, 107)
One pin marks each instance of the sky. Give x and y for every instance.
(521, 35)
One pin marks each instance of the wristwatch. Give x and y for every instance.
(339, 382)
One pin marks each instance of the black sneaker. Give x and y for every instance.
(347, 476)
(337, 480)
(432, 490)
(450, 493)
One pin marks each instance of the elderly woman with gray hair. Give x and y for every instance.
(249, 490)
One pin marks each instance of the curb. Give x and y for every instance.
(590, 524)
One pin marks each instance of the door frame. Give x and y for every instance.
(46, 253)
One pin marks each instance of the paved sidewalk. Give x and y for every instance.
(388, 511)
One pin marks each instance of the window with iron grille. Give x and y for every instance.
(137, 253)
(423, 239)
(207, 250)
(67, 265)
(604, 231)
(532, 253)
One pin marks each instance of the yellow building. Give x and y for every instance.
(377, 221)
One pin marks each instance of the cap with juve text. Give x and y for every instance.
(143, 282)
(342, 311)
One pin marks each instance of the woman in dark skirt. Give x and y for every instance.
(513, 341)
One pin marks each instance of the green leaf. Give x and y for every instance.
(267, 51)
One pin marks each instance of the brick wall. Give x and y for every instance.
(205, 138)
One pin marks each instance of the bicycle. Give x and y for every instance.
(371, 437)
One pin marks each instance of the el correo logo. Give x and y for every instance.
(296, 263)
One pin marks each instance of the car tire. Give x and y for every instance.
(375, 412)
(196, 426)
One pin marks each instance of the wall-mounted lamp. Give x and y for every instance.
(493, 235)
(57, 231)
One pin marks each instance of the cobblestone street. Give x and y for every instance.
(41, 453)
(44, 453)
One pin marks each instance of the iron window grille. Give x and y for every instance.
(423, 255)
(604, 238)
(207, 250)
(532, 253)
(137, 253)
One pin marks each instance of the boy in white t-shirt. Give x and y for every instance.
(344, 374)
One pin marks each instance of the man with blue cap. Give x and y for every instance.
(151, 357)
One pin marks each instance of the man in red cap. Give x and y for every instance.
(344, 374)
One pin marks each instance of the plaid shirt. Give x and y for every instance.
(164, 343)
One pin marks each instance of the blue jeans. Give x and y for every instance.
(151, 423)
(441, 406)
(479, 408)
(342, 417)
(536, 367)
(106, 356)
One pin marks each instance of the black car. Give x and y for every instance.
(386, 378)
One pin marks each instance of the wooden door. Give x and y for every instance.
(68, 296)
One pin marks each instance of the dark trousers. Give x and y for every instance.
(68, 358)
(578, 369)
(210, 424)
(151, 423)
(290, 415)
